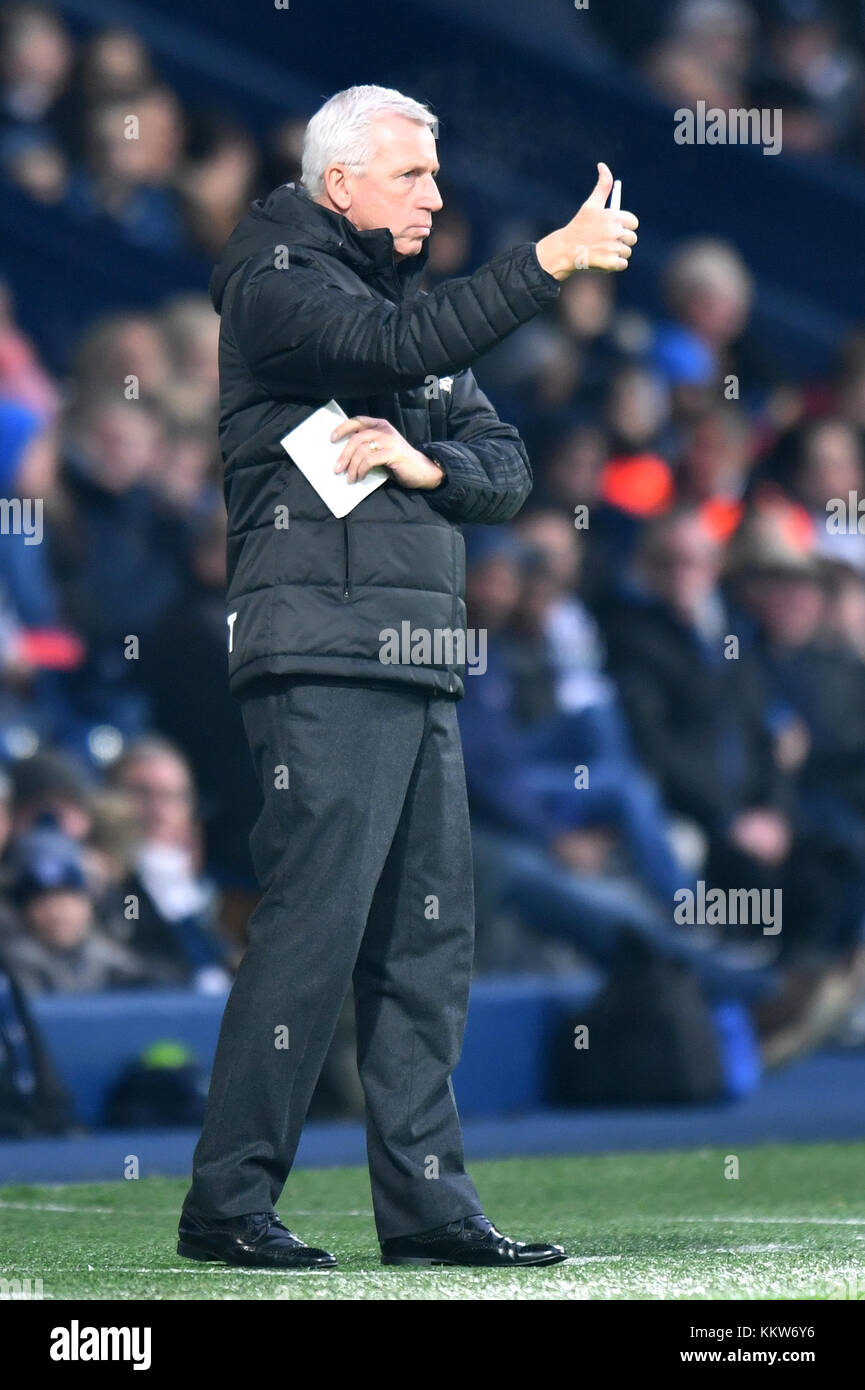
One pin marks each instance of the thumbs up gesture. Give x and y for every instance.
(598, 238)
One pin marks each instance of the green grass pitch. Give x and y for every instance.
(636, 1226)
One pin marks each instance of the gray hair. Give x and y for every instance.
(339, 132)
(706, 263)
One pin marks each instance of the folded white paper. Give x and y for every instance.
(310, 446)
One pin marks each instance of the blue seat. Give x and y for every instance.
(502, 1071)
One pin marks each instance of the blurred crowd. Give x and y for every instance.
(675, 680)
(804, 57)
(181, 179)
(178, 181)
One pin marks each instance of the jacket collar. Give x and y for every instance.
(290, 215)
(370, 253)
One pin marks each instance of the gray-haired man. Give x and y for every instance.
(363, 844)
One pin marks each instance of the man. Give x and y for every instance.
(700, 720)
(362, 847)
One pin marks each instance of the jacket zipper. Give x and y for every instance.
(346, 576)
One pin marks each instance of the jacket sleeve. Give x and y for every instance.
(487, 472)
(301, 336)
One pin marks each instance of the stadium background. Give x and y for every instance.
(688, 424)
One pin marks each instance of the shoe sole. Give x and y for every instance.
(192, 1252)
(464, 1264)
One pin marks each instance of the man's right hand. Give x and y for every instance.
(596, 239)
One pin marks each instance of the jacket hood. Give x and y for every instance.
(289, 216)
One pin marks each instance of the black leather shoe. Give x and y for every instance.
(258, 1239)
(472, 1241)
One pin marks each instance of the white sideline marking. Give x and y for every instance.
(216, 1269)
(709, 1250)
(222, 1271)
(746, 1249)
(55, 1206)
(775, 1220)
(121, 1210)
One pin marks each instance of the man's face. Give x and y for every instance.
(493, 590)
(161, 789)
(683, 568)
(397, 189)
(790, 608)
(61, 919)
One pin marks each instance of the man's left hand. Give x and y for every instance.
(370, 441)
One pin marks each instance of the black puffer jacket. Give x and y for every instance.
(311, 309)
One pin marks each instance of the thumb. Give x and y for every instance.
(602, 189)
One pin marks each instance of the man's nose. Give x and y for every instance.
(431, 199)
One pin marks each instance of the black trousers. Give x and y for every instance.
(364, 860)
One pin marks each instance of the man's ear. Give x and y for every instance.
(336, 186)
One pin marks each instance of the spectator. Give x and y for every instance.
(115, 62)
(706, 54)
(845, 619)
(191, 335)
(8, 920)
(35, 644)
(35, 63)
(568, 358)
(175, 929)
(817, 705)
(812, 74)
(699, 718)
(109, 850)
(850, 400)
(570, 713)
(576, 478)
(55, 784)
(189, 479)
(637, 412)
(216, 181)
(113, 65)
(59, 949)
(120, 554)
(186, 677)
(829, 466)
(128, 170)
(22, 377)
(282, 155)
(709, 291)
(28, 472)
(714, 466)
(526, 852)
(450, 243)
(120, 351)
(34, 162)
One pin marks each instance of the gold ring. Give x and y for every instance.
(373, 444)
